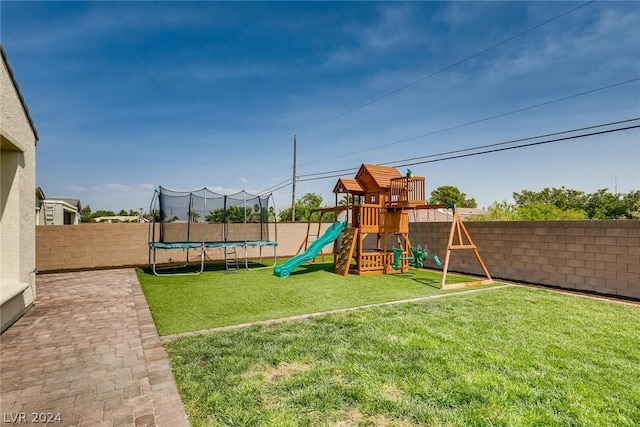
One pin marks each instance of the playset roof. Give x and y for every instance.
(348, 185)
(375, 177)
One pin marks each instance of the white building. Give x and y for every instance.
(56, 211)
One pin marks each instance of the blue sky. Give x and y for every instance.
(128, 96)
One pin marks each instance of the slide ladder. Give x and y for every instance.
(316, 247)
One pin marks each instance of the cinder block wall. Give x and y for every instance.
(87, 246)
(600, 256)
(83, 246)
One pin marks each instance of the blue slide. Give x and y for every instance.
(329, 236)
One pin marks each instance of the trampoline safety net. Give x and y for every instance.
(202, 216)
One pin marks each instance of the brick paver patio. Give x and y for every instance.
(88, 351)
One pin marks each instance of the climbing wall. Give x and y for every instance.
(345, 252)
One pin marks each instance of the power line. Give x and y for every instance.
(514, 141)
(531, 144)
(519, 110)
(281, 187)
(448, 67)
(409, 162)
(275, 185)
(395, 91)
(326, 172)
(478, 147)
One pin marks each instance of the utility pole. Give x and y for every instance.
(293, 187)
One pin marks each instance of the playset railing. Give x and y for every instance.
(367, 217)
(406, 191)
(374, 261)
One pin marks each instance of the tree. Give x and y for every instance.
(450, 194)
(158, 215)
(101, 212)
(498, 211)
(534, 211)
(539, 211)
(271, 215)
(236, 214)
(216, 216)
(347, 199)
(564, 203)
(604, 205)
(601, 204)
(633, 202)
(304, 206)
(563, 198)
(265, 215)
(85, 214)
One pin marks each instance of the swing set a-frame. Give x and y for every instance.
(459, 239)
(376, 216)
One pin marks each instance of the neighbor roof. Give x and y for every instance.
(443, 215)
(17, 88)
(72, 202)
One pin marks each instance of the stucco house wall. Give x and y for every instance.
(18, 139)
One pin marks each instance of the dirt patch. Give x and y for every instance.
(392, 393)
(383, 421)
(355, 418)
(350, 419)
(283, 370)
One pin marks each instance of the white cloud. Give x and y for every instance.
(223, 190)
(107, 19)
(75, 188)
(459, 13)
(394, 27)
(114, 187)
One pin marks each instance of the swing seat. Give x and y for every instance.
(437, 260)
(397, 258)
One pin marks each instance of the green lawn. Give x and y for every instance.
(507, 357)
(217, 298)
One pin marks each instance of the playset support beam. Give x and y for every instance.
(458, 229)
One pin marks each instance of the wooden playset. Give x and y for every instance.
(376, 235)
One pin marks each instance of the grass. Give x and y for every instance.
(510, 356)
(215, 298)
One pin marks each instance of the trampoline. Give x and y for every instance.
(201, 220)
